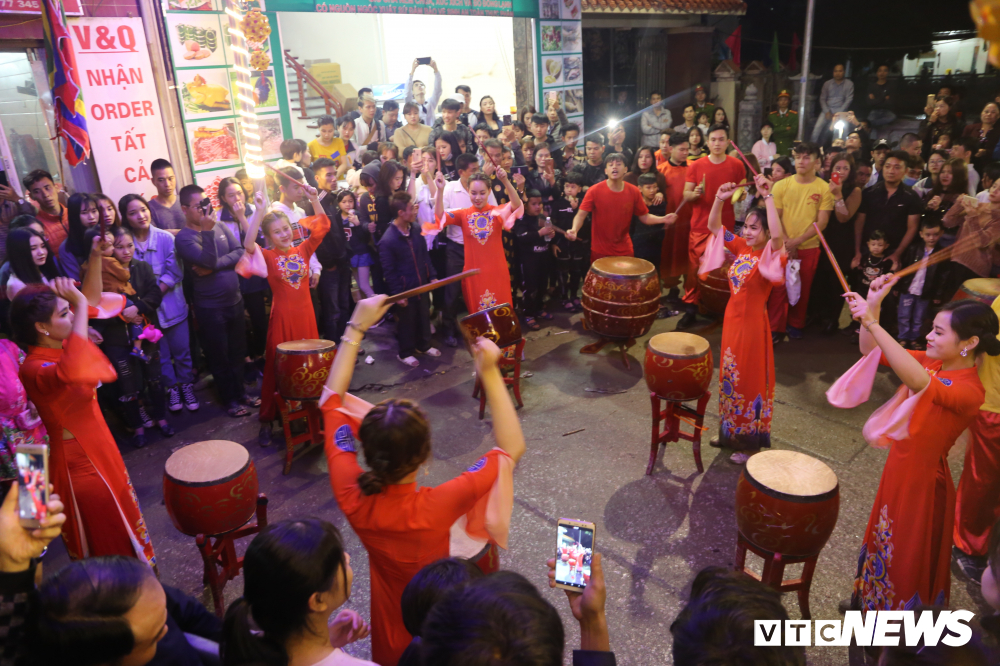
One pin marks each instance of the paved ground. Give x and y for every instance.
(655, 531)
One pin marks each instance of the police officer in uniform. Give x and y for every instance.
(701, 104)
(785, 122)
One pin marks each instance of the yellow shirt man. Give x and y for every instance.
(800, 205)
(335, 150)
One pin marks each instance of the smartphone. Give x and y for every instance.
(506, 119)
(32, 484)
(930, 100)
(521, 169)
(835, 179)
(423, 61)
(5, 183)
(574, 550)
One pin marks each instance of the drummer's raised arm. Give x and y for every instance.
(726, 191)
(366, 313)
(250, 242)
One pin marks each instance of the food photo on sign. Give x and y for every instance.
(551, 37)
(570, 9)
(269, 130)
(205, 92)
(196, 40)
(552, 69)
(213, 143)
(571, 37)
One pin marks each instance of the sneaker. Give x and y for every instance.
(970, 565)
(174, 399)
(139, 354)
(139, 441)
(144, 417)
(451, 341)
(190, 399)
(777, 338)
(794, 333)
(410, 361)
(431, 351)
(715, 443)
(739, 458)
(687, 321)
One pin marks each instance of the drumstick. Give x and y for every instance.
(430, 286)
(968, 243)
(282, 174)
(833, 260)
(743, 157)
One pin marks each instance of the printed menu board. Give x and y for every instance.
(560, 59)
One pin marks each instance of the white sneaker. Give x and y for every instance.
(144, 417)
(410, 361)
(174, 399)
(190, 400)
(432, 351)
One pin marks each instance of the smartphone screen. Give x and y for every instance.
(423, 61)
(506, 119)
(32, 484)
(574, 548)
(3, 179)
(521, 169)
(835, 178)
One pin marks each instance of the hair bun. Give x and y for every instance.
(990, 344)
(370, 483)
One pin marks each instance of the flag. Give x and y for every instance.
(733, 42)
(793, 62)
(775, 61)
(64, 82)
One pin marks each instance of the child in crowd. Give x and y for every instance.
(874, 264)
(572, 257)
(358, 241)
(704, 122)
(388, 151)
(647, 241)
(927, 286)
(533, 234)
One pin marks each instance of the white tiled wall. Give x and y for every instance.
(21, 113)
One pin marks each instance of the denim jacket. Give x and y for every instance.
(161, 256)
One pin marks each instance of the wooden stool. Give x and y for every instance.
(221, 554)
(513, 380)
(292, 410)
(774, 571)
(672, 432)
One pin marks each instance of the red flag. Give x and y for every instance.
(733, 42)
(793, 63)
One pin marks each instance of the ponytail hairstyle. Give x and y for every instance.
(287, 563)
(972, 318)
(79, 616)
(396, 439)
(34, 304)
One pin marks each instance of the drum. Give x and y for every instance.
(499, 324)
(678, 366)
(984, 290)
(787, 502)
(301, 368)
(713, 291)
(210, 487)
(621, 296)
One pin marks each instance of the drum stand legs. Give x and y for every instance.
(671, 416)
(220, 559)
(513, 379)
(623, 346)
(774, 571)
(292, 410)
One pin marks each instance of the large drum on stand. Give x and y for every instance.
(984, 290)
(210, 487)
(621, 297)
(713, 291)
(301, 368)
(787, 502)
(678, 366)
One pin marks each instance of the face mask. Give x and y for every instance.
(909, 182)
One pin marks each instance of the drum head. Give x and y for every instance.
(985, 289)
(791, 473)
(623, 267)
(207, 462)
(679, 345)
(306, 346)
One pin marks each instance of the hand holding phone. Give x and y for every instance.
(574, 554)
(835, 178)
(506, 119)
(423, 61)
(33, 484)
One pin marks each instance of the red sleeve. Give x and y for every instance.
(318, 226)
(457, 497)
(639, 207)
(588, 200)
(454, 217)
(963, 398)
(693, 173)
(734, 243)
(919, 355)
(341, 448)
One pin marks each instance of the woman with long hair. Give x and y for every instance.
(31, 260)
(109, 213)
(941, 121)
(82, 213)
(839, 233)
(156, 247)
(525, 113)
(359, 241)
(696, 139)
(448, 151)
(934, 164)
(61, 373)
(645, 162)
(296, 573)
(403, 527)
(765, 149)
(952, 183)
(719, 117)
(488, 114)
(987, 133)
(781, 169)
(746, 372)
(914, 508)
(292, 314)
(543, 175)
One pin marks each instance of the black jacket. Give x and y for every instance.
(332, 252)
(405, 262)
(147, 298)
(936, 282)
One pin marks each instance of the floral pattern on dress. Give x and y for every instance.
(872, 587)
(741, 270)
(487, 300)
(292, 269)
(738, 417)
(480, 226)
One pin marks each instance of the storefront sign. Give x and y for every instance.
(456, 7)
(71, 7)
(123, 112)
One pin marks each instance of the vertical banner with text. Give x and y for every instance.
(123, 112)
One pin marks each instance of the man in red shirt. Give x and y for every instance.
(613, 203)
(706, 175)
(674, 257)
(52, 214)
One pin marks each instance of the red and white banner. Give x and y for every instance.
(71, 7)
(123, 112)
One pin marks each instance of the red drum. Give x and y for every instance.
(499, 324)
(302, 366)
(621, 297)
(210, 487)
(984, 290)
(713, 291)
(787, 502)
(678, 366)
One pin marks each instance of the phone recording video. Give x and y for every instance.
(423, 61)
(506, 119)
(574, 550)
(32, 484)
(521, 169)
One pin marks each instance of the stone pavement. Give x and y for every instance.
(655, 532)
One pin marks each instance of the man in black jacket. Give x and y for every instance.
(335, 280)
(407, 265)
(921, 293)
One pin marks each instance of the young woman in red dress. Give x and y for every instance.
(746, 372)
(292, 313)
(61, 373)
(481, 227)
(905, 560)
(403, 527)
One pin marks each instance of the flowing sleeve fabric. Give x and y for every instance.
(81, 363)
(318, 226)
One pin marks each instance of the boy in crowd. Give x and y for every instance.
(927, 287)
(329, 146)
(880, 151)
(533, 234)
(413, 133)
(165, 206)
(291, 154)
(874, 264)
(390, 118)
(448, 122)
(647, 242)
(464, 116)
(964, 149)
(569, 156)
(593, 169)
(244, 179)
(990, 175)
(539, 128)
(368, 128)
(572, 257)
(334, 287)
(416, 93)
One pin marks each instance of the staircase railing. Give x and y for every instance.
(303, 77)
